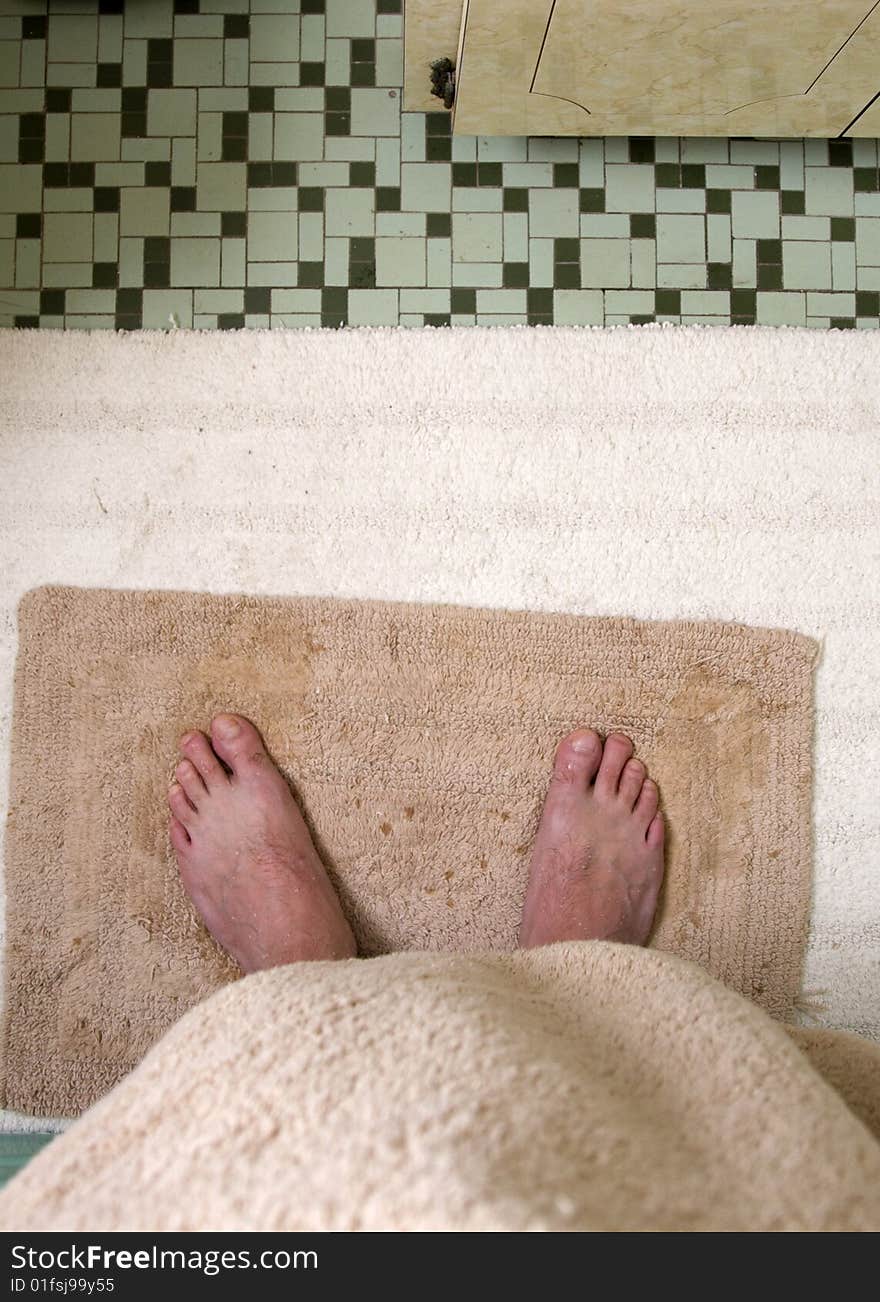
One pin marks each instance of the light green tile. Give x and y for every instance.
(106, 237)
(183, 161)
(705, 150)
(556, 149)
(843, 266)
(94, 137)
(7, 226)
(400, 261)
(351, 17)
(831, 305)
(681, 201)
(472, 198)
(829, 191)
(323, 174)
(153, 19)
(401, 223)
(541, 263)
(389, 63)
(71, 74)
(272, 273)
(681, 238)
(274, 38)
(192, 224)
(171, 113)
(33, 63)
(425, 187)
(591, 164)
(198, 63)
(527, 174)
(350, 148)
(868, 241)
(424, 300)
(867, 205)
(681, 275)
(73, 38)
(806, 228)
(301, 99)
(131, 262)
(516, 236)
(781, 309)
(755, 214)
(723, 177)
(233, 263)
(218, 300)
(311, 37)
(718, 241)
(27, 264)
(119, 174)
(791, 164)
(195, 262)
(605, 263)
(134, 63)
(477, 237)
(311, 236)
(501, 319)
(388, 162)
(67, 237)
(167, 309)
(554, 213)
(260, 134)
(157, 150)
(236, 63)
(91, 301)
(477, 275)
(868, 277)
(612, 225)
(439, 262)
(275, 198)
(296, 300)
(372, 307)
(222, 99)
(66, 275)
(629, 188)
(501, 149)
(83, 321)
(643, 257)
(336, 261)
(210, 137)
(464, 148)
(745, 264)
(629, 302)
(92, 100)
(9, 138)
(186, 25)
(78, 199)
(299, 137)
(349, 212)
(375, 112)
(272, 237)
(21, 187)
(274, 74)
(337, 63)
(578, 307)
(495, 301)
(754, 151)
(221, 187)
(144, 212)
(705, 302)
(7, 263)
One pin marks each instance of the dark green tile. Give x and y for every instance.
(28, 226)
(104, 275)
(310, 275)
(642, 225)
(840, 153)
(565, 174)
(539, 300)
(463, 300)
(769, 251)
(488, 174)
(567, 275)
(766, 178)
(667, 176)
(362, 275)
(311, 74)
(693, 176)
(236, 27)
(515, 199)
(720, 275)
(718, 201)
(843, 323)
(363, 49)
(230, 321)
(363, 74)
(438, 124)
(439, 225)
(388, 198)
(791, 203)
(437, 319)
(866, 179)
(233, 225)
(667, 302)
(310, 198)
(566, 250)
(464, 174)
(743, 302)
(592, 199)
(51, 302)
(843, 228)
(157, 174)
(769, 276)
(334, 298)
(438, 149)
(337, 99)
(108, 75)
(337, 124)
(183, 198)
(868, 302)
(362, 174)
(362, 248)
(261, 99)
(57, 100)
(641, 149)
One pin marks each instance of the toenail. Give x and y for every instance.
(227, 726)
(187, 738)
(584, 743)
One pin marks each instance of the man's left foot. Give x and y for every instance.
(245, 854)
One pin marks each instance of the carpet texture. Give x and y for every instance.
(419, 739)
(651, 472)
(578, 1087)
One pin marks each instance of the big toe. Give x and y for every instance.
(237, 742)
(577, 758)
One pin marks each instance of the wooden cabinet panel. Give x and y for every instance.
(668, 67)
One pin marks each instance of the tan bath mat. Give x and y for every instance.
(419, 740)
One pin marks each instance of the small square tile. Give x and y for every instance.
(591, 199)
(843, 228)
(261, 99)
(717, 201)
(643, 226)
(183, 198)
(791, 202)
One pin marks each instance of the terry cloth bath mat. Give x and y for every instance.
(419, 740)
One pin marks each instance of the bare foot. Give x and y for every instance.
(245, 854)
(597, 863)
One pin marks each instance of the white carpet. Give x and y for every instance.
(653, 472)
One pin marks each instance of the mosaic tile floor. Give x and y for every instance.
(245, 162)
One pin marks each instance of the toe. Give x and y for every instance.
(616, 752)
(646, 805)
(577, 758)
(237, 742)
(631, 780)
(179, 805)
(179, 836)
(655, 832)
(197, 749)
(188, 777)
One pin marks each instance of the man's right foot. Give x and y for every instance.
(597, 863)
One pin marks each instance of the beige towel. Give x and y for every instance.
(420, 740)
(579, 1087)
